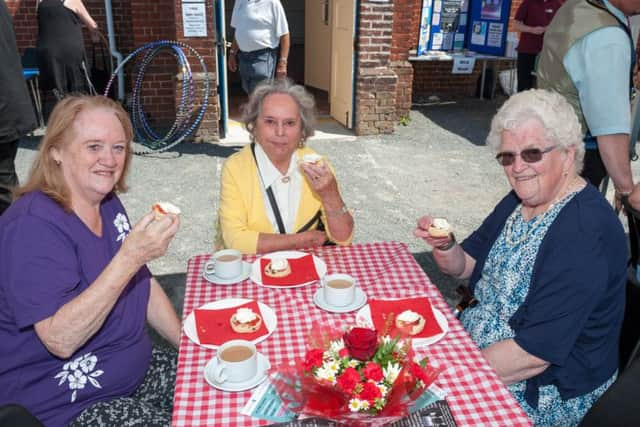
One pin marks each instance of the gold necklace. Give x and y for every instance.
(512, 219)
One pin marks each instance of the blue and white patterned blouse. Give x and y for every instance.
(501, 290)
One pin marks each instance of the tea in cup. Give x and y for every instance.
(339, 289)
(225, 264)
(237, 362)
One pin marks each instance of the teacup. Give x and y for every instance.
(237, 362)
(339, 289)
(225, 264)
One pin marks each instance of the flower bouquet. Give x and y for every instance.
(357, 377)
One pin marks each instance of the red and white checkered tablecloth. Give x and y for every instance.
(383, 270)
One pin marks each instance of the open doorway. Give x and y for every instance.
(320, 58)
(295, 10)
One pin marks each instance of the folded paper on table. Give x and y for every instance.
(303, 270)
(382, 309)
(214, 326)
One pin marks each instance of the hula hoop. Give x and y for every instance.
(184, 125)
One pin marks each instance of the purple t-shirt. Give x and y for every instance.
(47, 258)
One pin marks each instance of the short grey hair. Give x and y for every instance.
(551, 109)
(306, 104)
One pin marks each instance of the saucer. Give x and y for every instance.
(212, 278)
(261, 375)
(359, 300)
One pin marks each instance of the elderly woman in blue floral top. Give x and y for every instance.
(547, 266)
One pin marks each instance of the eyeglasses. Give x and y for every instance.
(529, 155)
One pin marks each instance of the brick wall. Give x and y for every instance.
(406, 18)
(155, 20)
(376, 81)
(434, 77)
(137, 22)
(208, 129)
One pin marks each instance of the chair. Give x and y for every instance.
(30, 58)
(15, 415)
(630, 333)
(618, 406)
(31, 72)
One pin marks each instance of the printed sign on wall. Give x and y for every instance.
(488, 27)
(425, 27)
(194, 19)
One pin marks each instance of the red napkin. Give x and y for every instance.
(214, 328)
(381, 309)
(303, 270)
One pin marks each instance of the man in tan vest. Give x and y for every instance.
(587, 56)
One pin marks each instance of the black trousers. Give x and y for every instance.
(594, 170)
(8, 177)
(526, 65)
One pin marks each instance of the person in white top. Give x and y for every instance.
(260, 46)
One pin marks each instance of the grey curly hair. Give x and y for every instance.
(551, 109)
(306, 105)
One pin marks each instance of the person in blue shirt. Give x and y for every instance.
(547, 266)
(587, 56)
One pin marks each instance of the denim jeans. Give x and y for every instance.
(256, 66)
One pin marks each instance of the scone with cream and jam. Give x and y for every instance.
(278, 267)
(160, 209)
(245, 321)
(410, 322)
(311, 158)
(440, 227)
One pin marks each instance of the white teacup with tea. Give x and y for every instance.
(339, 289)
(224, 264)
(237, 362)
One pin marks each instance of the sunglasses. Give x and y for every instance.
(529, 155)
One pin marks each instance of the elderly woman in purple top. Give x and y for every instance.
(75, 292)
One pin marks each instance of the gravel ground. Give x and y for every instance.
(438, 164)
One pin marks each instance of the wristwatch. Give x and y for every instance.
(283, 60)
(343, 210)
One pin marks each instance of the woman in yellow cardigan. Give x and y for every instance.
(270, 199)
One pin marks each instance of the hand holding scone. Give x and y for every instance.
(320, 177)
(435, 231)
(149, 239)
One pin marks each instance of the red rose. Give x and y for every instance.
(313, 359)
(370, 392)
(343, 353)
(361, 343)
(418, 372)
(348, 380)
(373, 371)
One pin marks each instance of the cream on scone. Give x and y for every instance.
(311, 158)
(410, 322)
(440, 228)
(160, 209)
(278, 267)
(245, 321)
